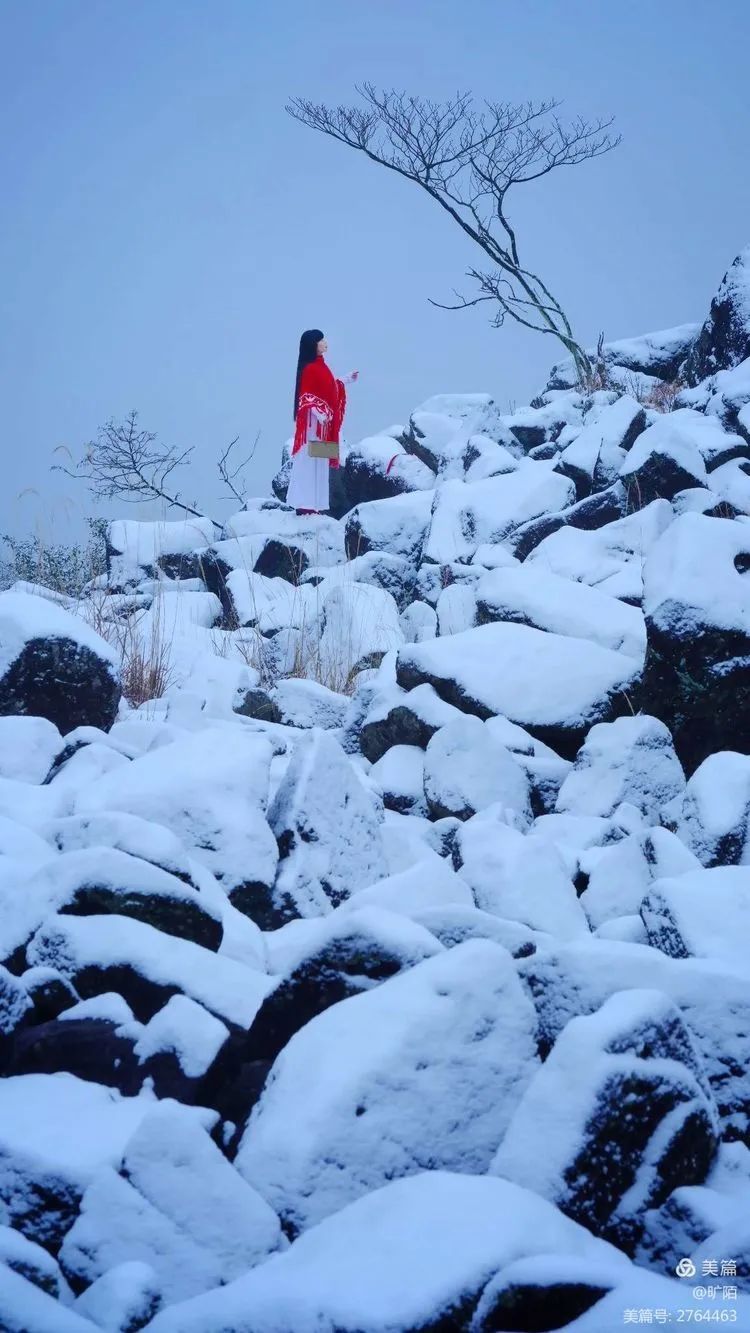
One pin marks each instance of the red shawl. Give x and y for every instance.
(322, 402)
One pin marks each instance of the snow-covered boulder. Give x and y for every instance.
(593, 459)
(553, 685)
(176, 1204)
(467, 514)
(124, 1299)
(724, 340)
(631, 759)
(399, 775)
(54, 666)
(415, 1254)
(712, 816)
(397, 526)
(516, 877)
(595, 511)
(658, 354)
(619, 1114)
(704, 914)
(56, 1133)
(467, 768)
(114, 953)
(375, 1087)
(609, 558)
(697, 608)
(665, 459)
(210, 789)
(378, 468)
(28, 746)
(138, 550)
(345, 953)
(328, 828)
(576, 977)
(532, 595)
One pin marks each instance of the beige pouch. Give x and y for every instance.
(323, 449)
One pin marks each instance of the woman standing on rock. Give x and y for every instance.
(319, 406)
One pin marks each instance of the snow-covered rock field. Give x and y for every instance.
(390, 969)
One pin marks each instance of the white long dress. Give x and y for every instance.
(309, 481)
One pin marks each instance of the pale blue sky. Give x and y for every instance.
(167, 230)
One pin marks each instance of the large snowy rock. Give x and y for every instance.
(657, 354)
(724, 340)
(619, 1114)
(467, 514)
(210, 789)
(114, 953)
(176, 1204)
(397, 526)
(712, 816)
(517, 877)
(595, 511)
(578, 976)
(553, 685)
(705, 914)
(631, 759)
(697, 607)
(666, 459)
(467, 768)
(28, 746)
(403, 717)
(532, 595)
(609, 558)
(593, 459)
(343, 954)
(54, 666)
(328, 828)
(378, 468)
(56, 1132)
(376, 1086)
(415, 1254)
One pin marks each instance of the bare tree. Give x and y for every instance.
(129, 463)
(231, 472)
(468, 161)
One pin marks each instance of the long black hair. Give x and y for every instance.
(308, 351)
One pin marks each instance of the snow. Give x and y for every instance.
(208, 792)
(186, 1029)
(705, 913)
(532, 595)
(27, 747)
(594, 557)
(141, 543)
(546, 679)
(374, 1086)
(395, 1259)
(179, 1205)
(691, 578)
(631, 759)
(555, 1125)
(712, 816)
(228, 989)
(428, 882)
(56, 1125)
(467, 768)
(24, 1308)
(396, 525)
(469, 514)
(123, 1298)
(326, 860)
(24, 618)
(519, 878)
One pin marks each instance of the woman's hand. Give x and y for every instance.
(352, 377)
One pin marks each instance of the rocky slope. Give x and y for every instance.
(390, 971)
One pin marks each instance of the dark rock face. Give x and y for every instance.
(515, 1305)
(64, 681)
(402, 726)
(595, 511)
(724, 340)
(281, 560)
(258, 704)
(186, 920)
(90, 1048)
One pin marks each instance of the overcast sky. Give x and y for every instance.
(167, 231)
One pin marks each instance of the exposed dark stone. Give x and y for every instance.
(660, 476)
(214, 571)
(260, 705)
(401, 726)
(527, 1307)
(593, 512)
(184, 566)
(50, 993)
(90, 1048)
(724, 340)
(62, 680)
(281, 560)
(176, 915)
